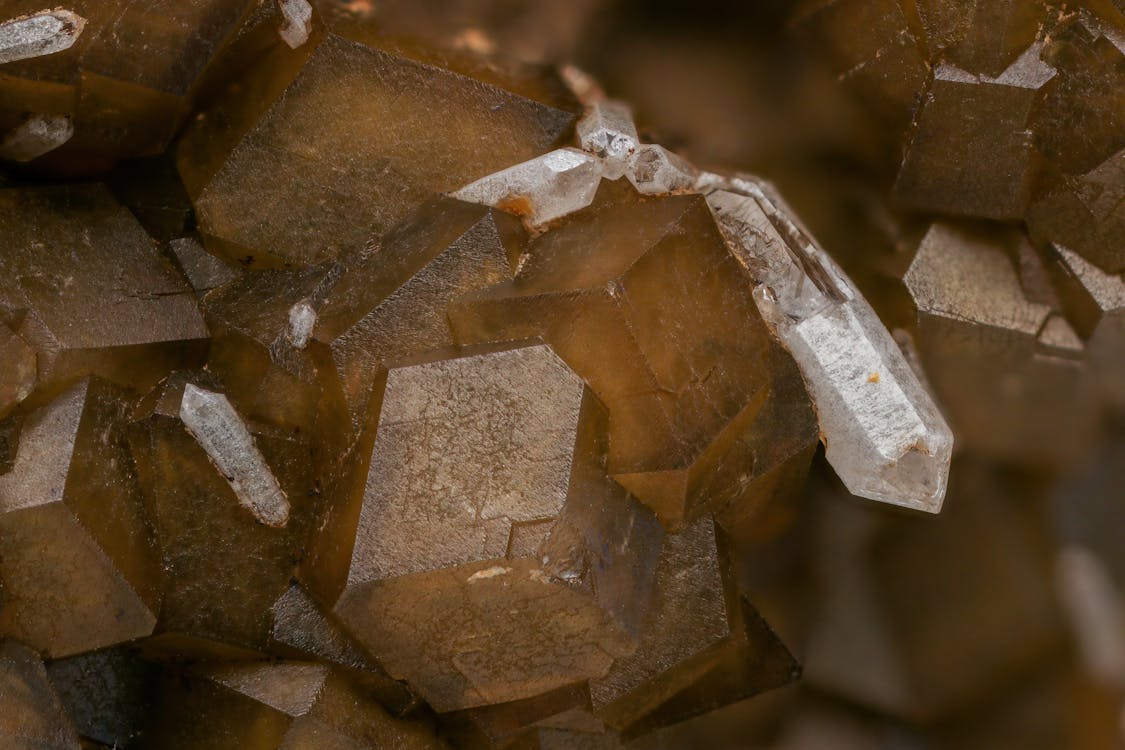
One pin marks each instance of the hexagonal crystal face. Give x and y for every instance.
(494, 560)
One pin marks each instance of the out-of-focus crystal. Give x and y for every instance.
(882, 432)
(494, 560)
(80, 571)
(979, 337)
(1095, 610)
(279, 706)
(39, 34)
(31, 714)
(36, 136)
(1086, 214)
(541, 190)
(220, 431)
(984, 170)
(1095, 301)
(654, 170)
(608, 131)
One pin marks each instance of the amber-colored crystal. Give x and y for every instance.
(31, 714)
(80, 571)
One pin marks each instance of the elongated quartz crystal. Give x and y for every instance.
(38, 34)
(544, 188)
(36, 136)
(881, 430)
(608, 131)
(218, 428)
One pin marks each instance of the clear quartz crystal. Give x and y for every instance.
(608, 131)
(654, 170)
(36, 136)
(38, 34)
(881, 430)
(542, 189)
(216, 426)
(298, 22)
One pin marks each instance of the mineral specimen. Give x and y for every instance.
(882, 432)
(31, 715)
(507, 533)
(79, 570)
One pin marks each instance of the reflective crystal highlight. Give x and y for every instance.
(882, 432)
(545, 188)
(608, 131)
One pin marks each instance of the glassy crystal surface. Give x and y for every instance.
(486, 509)
(17, 379)
(39, 34)
(882, 432)
(654, 170)
(540, 190)
(80, 571)
(31, 714)
(392, 142)
(94, 295)
(608, 131)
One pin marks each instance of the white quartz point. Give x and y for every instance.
(297, 22)
(38, 34)
(607, 130)
(36, 136)
(881, 431)
(302, 320)
(218, 429)
(654, 170)
(542, 189)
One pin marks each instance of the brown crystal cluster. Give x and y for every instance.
(355, 431)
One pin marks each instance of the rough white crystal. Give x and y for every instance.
(36, 136)
(38, 34)
(297, 15)
(216, 426)
(607, 130)
(302, 320)
(542, 189)
(881, 430)
(654, 170)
